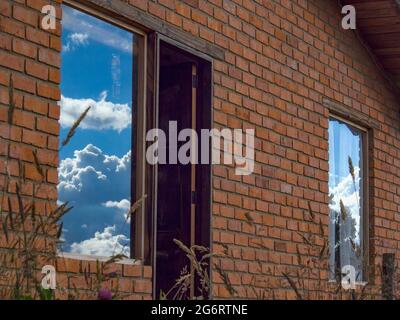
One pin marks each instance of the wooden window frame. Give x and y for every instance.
(150, 236)
(138, 177)
(153, 30)
(366, 133)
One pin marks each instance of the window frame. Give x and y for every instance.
(138, 129)
(151, 33)
(154, 45)
(365, 195)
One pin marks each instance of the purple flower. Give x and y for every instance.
(105, 294)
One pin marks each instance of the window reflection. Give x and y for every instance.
(98, 60)
(345, 194)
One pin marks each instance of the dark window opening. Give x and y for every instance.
(183, 190)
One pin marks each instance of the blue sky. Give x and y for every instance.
(97, 62)
(87, 72)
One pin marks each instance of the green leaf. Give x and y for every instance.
(46, 294)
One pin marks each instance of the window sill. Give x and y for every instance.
(82, 257)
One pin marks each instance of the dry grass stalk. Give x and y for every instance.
(293, 286)
(198, 257)
(249, 218)
(74, 127)
(38, 167)
(11, 101)
(225, 279)
(310, 211)
(343, 211)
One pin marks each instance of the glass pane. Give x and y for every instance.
(345, 190)
(98, 60)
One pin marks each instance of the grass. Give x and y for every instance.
(31, 238)
(196, 269)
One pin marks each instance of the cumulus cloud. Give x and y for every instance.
(102, 115)
(123, 206)
(91, 173)
(94, 184)
(75, 40)
(103, 244)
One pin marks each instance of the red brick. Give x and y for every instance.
(21, 152)
(25, 15)
(132, 270)
(5, 42)
(12, 27)
(24, 83)
(53, 143)
(24, 119)
(37, 70)
(34, 138)
(142, 286)
(156, 10)
(55, 75)
(48, 91)
(31, 172)
(147, 272)
(5, 8)
(48, 126)
(36, 105)
(55, 43)
(124, 284)
(11, 61)
(37, 36)
(47, 157)
(4, 96)
(25, 48)
(139, 4)
(52, 176)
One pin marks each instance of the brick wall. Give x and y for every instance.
(30, 63)
(77, 280)
(282, 59)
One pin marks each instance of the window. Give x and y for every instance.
(347, 198)
(101, 69)
(182, 199)
(103, 168)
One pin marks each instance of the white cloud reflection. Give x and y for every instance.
(123, 206)
(97, 30)
(93, 183)
(102, 115)
(103, 244)
(90, 169)
(350, 197)
(75, 40)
